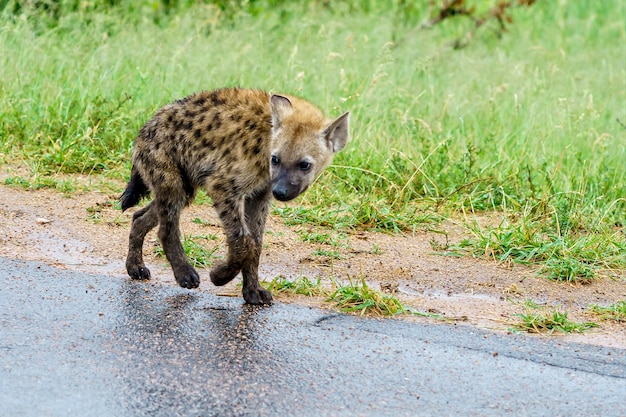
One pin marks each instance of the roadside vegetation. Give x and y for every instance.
(355, 296)
(616, 311)
(514, 128)
(542, 320)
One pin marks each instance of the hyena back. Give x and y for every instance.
(243, 147)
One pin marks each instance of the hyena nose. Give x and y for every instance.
(280, 193)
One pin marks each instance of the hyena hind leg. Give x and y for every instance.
(169, 235)
(144, 220)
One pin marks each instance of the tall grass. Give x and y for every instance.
(526, 124)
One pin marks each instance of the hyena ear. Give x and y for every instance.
(281, 108)
(337, 132)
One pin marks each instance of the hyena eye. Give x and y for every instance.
(275, 160)
(304, 165)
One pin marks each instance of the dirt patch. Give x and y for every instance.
(84, 232)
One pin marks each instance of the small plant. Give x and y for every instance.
(324, 216)
(37, 183)
(332, 254)
(198, 220)
(197, 254)
(568, 269)
(336, 239)
(616, 311)
(548, 323)
(202, 198)
(95, 214)
(376, 250)
(300, 286)
(17, 182)
(359, 297)
(572, 257)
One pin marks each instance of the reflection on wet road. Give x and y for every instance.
(77, 344)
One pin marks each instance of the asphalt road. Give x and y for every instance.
(74, 344)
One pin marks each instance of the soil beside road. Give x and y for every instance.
(85, 232)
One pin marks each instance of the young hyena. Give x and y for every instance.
(242, 146)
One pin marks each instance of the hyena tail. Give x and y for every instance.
(135, 191)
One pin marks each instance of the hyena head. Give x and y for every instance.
(303, 144)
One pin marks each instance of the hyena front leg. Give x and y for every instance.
(144, 220)
(230, 211)
(243, 221)
(256, 209)
(244, 244)
(169, 235)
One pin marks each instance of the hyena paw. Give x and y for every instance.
(187, 277)
(222, 274)
(138, 272)
(257, 296)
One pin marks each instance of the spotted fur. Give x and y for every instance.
(243, 147)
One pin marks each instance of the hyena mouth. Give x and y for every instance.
(286, 193)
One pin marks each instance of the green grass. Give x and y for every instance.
(331, 254)
(96, 214)
(524, 126)
(300, 286)
(564, 256)
(537, 320)
(548, 323)
(335, 239)
(354, 297)
(358, 297)
(66, 186)
(616, 311)
(197, 254)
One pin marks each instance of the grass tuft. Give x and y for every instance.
(616, 311)
(197, 254)
(358, 297)
(355, 297)
(301, 286)
(573, 256)
(548, 322)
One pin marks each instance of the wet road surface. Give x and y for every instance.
(74, 344)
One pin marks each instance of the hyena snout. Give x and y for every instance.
(285, 187)
(284, 191)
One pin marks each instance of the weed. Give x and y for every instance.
(202, 198)
(95, 213)
(66, 186)
(359, 297)
(376, 250)
(300, 286)
(335, 239)
(197, 254)
(354, 297)
(548, 323)
(573, 256)
(198, 220)
(18, 182)
(336, 218)
(616, 311)
(568, 269)
(331, 254)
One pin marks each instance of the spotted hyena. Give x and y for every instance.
(243, 147)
